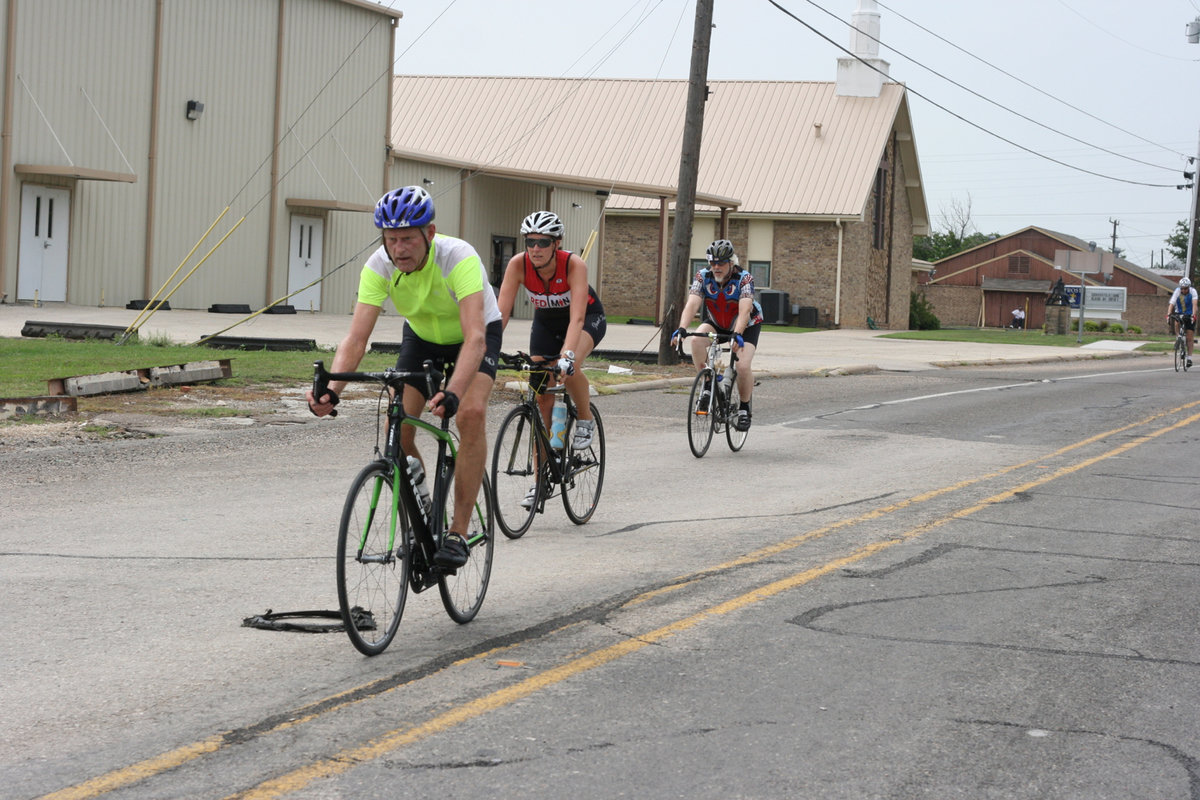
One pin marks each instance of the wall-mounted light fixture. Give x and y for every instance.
(576, 205)
(194, 109)
(427, 181)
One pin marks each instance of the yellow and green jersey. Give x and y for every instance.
(428, 298)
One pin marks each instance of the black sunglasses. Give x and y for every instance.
(538, 242)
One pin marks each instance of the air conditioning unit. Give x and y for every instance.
(775, 306)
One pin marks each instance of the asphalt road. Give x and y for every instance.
(950, 583)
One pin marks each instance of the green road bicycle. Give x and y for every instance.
(715, 399)
(524, 457)
(387, 535)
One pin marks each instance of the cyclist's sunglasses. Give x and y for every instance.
(538, 243)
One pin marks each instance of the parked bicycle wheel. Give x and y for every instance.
(700, 415)
(735, 437)
(514, 471)
(463, 592)
(1180, 355)
(372, 571)
(583, 477)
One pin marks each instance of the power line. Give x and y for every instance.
(987, 99)
(961, 118)
(1029, 85)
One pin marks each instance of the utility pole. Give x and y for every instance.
(1114, 237)
(678, 265)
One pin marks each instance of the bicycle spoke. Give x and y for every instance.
(584, 474)
(514, 471)
(372, 560)
(463, 592)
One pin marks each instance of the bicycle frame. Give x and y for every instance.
(715, 356)
(427, 527)
(557, 467)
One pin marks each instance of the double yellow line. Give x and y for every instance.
(349, 758)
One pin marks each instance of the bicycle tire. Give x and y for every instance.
(701, 420)
(584, 474)
(514, 467)
(736, 438)
(463, 592)
(1180, 354)
(372, 593)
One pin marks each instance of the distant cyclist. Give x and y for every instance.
(438, 284)
(568, 317)
(727, 295)
(1183, 302)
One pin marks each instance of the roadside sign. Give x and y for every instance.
(1099, 298)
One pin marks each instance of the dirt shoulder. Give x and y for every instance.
(168, 410)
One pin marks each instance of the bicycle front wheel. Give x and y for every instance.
(514, 471)
(583, 476)
(735, 437)
(1180, 355)
(463, 592)
(700, 414)
(372, 560)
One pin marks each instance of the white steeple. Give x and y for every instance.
(854, 77)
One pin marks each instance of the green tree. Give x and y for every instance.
(958, 234)
(1177, 245)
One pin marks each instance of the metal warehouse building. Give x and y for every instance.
(142, 138)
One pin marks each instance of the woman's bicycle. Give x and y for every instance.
(525, 457)
(1181, 353)
(388, 534)
(715, 400)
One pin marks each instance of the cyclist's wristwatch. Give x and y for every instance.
(569, 355)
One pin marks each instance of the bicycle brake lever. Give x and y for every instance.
(321, 383)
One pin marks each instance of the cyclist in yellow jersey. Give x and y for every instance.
(439, 285)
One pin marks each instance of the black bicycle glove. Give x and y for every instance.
(333, 401)
(678, 334)
(449, 403)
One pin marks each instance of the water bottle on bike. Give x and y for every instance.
(558, 424)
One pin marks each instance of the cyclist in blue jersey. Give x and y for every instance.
(727, 296)
(439, 285)
(1183, 302)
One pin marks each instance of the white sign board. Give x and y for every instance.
(1099, 298)
(1084, 263)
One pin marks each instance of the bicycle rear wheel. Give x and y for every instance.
(463, 592)
(583, 476)
(1180, 355)
(372, 565)
(700, 417)
(735, 437)
(514, 471)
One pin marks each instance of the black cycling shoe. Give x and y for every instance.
(743, 420)
(453, 552)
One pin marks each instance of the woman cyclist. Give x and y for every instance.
(568, 318)
(729, 308)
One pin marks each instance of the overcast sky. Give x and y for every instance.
(1110, 74)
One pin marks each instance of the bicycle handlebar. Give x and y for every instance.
(392, 378)
(720, 338)
(524, 361)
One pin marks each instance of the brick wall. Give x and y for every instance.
(630, 258)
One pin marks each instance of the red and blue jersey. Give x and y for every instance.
(721, 302)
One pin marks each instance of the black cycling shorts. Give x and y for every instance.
(414, 351)
(547, 338)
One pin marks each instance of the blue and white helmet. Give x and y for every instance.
(1185, 283)
(407, 207)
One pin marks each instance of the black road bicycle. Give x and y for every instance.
(524, 457)
(713, 407)
(1181, 353)
(387, 536)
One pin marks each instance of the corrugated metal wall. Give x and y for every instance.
(335, 146)
(98, 59)
(222, 53)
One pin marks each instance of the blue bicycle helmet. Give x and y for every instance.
(407, 207)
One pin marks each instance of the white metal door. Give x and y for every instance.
(45, 230)
(304, 261)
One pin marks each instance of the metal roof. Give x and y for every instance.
(781, 148)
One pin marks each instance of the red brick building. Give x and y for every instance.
(981, 286)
